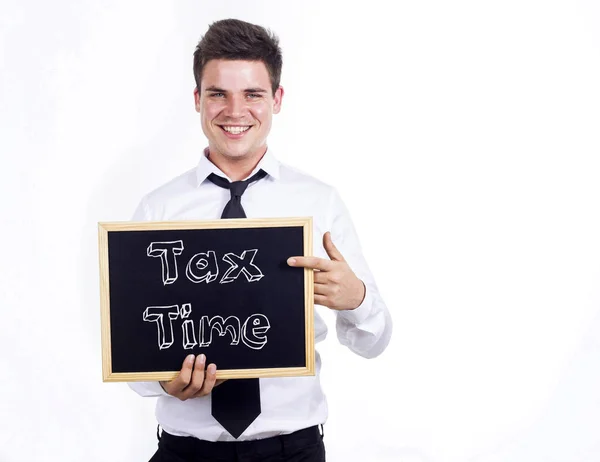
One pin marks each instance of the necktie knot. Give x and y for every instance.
(234, 209)
(237, 188)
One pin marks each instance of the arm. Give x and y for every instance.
(367, 329)
(345, 284)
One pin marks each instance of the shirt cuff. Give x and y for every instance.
(360, 313)
(160, 391)
(148, 388)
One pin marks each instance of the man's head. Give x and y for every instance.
(237, 68)
(232, 39)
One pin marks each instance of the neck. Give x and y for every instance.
(236, 168)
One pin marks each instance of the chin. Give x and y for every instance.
(234, 153)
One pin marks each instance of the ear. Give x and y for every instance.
(197, 99)
(277, 98)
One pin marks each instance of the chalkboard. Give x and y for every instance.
(220, 287)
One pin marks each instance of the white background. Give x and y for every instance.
(464, 138)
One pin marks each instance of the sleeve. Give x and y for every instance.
(142, 213)
(367, 329)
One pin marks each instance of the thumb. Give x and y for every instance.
(331, 249)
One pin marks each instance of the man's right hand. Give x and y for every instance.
(193, 381)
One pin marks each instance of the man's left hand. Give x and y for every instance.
(336, 285)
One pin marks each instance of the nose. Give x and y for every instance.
(235, 106)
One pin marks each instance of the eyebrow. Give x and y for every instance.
(247, 90)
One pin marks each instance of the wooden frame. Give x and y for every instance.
(105, 227)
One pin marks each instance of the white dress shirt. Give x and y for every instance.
(288, 403)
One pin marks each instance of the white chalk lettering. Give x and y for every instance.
(200, 262)
(230, 324)
(243, 264)
(185, 310)
(166, 251)
(254, 332)
(203, 266)
(189, 335)
(157, 314)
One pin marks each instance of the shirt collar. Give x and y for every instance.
(268, 163)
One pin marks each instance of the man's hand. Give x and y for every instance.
(336, 285)
(193, 381)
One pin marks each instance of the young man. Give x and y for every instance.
(237, 67)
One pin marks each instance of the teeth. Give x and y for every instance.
(235, 130)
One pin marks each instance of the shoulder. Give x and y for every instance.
(181, 184)
(320, 195)
(154, 204)
(298, 178)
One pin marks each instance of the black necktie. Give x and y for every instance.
(233, 208)
(236, 402)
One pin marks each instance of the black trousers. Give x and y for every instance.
(302, 446)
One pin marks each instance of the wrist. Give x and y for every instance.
(361, 294)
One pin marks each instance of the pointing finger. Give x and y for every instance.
(310, 262)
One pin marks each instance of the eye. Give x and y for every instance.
(254, 95)
(217, 94)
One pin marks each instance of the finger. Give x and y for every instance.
(331, 278)
(321, 277)
(331, 249)
(321, 300)
(217, 383)
(322, 289)
(183, 379)
(197, 378)
(310, 262)
(209, 380)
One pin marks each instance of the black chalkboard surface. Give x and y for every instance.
(221, 287)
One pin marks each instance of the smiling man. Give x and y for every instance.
(237, 68)
(236, 103)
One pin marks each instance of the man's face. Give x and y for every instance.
(236, 106)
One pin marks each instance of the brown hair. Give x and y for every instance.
(239, 40)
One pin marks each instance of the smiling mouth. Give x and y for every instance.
(235, 129)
